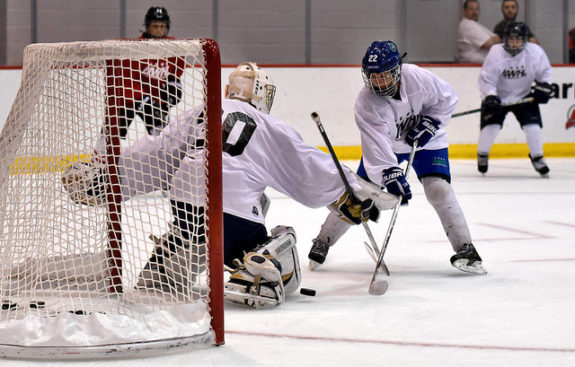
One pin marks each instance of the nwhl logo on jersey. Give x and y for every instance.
(514, 72)
(159, 70)
(406, 123)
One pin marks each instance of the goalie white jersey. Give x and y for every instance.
(510, 77)
(259, 151)
(385, 121)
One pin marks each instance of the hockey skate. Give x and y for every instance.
(482, 162)
(540, 165)
(318, 253)
(467, 259)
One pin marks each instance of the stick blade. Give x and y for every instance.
(378, 287)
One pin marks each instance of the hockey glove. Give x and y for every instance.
(171, 91)
(541, 92)
(154, 114)
(85, 184)
(352, 210)
(423, 131)
(491, 109)
(396, 184)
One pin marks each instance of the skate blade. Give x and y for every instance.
(476, 268)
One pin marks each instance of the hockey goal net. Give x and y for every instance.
(79, 280)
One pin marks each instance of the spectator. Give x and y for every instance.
(509, 10)
(474, 39)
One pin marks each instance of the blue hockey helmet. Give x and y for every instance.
(514, 37)
(381, 68)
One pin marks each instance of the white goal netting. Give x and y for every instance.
(97, 255)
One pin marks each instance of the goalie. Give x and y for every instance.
(259, 151)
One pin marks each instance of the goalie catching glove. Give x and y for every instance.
(353, 210)
(85, 184)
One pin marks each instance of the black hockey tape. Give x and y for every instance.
(307, 292)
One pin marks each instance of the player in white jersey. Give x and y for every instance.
(402, 105)
(258, 151)
(507, 76)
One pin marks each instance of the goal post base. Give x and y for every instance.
(109, 351)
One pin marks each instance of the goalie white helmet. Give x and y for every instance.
(249, 83)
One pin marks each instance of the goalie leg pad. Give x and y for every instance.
(257, 282)
(282, 247)
(268, 272)
(174, 264)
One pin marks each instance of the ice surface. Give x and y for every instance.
(520, 314)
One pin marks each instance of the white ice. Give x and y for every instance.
(520, 314)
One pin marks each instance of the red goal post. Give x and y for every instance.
(65, 265)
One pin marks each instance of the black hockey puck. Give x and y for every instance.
(307, 292)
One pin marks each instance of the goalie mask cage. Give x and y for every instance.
(79, 280)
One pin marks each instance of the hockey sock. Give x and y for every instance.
(534, 139)
(332, 229)
(440, 195)
(487, 137)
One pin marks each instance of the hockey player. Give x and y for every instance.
(149, 87)
(402, 105)
(259, 151)
(506, 76)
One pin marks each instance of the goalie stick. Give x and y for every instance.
(378, 286)
(521, 101)
(371, 249)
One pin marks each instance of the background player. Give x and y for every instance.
(402, 105)
(506, 76)
(264, 266)
(149, 87)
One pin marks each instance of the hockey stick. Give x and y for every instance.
(521, 101)
(370, 249)
(378, 286)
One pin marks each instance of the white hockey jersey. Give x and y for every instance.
(510, 77)
(259, 151)
(384, 122)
